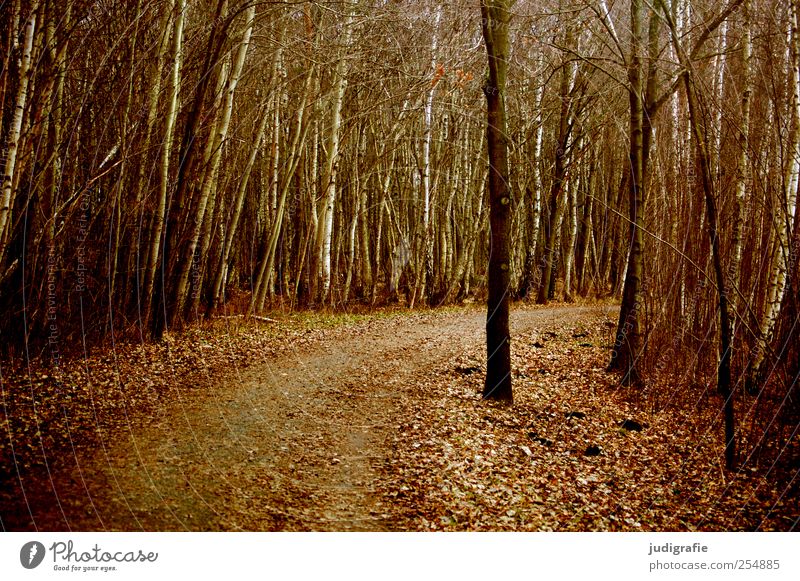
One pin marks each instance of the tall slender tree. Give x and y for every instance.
(495, 21)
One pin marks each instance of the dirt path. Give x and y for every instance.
(291, 444)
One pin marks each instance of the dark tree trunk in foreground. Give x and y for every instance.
(628, 339)
(495, 17)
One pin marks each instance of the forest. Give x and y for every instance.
(198, 189)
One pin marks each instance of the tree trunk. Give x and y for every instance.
(624, 357)
(569, 259)
(558, 190)
(190, 259)
(220, 278)
(12, 145)
(742, 168)
(176, 205)
(166, 150)
(332, 165)
(293, 159)
(147, 223)
(701, 140)
(535, 198)
(496, 17)
(423, 254)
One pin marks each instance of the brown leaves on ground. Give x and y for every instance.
(575, 452)
(572, 454)
(51, 414)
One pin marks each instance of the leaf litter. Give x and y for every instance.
(574, 453)
(388, 433)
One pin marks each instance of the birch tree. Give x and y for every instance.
(13, 141)
(216, 142)
(153, 252)
(329, 180)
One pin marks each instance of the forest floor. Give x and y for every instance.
(367, 423)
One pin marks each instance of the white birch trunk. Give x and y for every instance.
(166, 150)
(14, 131)
(720, 62)
(218, 141)
(783, 222)
(293, 159)
(331, 167)
(238, 206)
(152, 112)
(573, 234)
(424, 251)
(742, 170)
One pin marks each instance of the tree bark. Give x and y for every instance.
(424, 249)
(784, 213)
(166, 150)
(624, 358)
(216, 140)
(293, 159)
(742, 167)
(495, 23)
(701, 140)
(325, 237)
(558, 189)
(220, 278)
(12, 145)
(176, 205)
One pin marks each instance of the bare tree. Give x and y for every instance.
(495, 23)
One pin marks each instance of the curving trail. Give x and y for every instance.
(293, 444)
